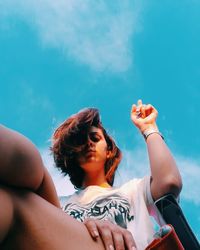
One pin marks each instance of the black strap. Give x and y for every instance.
(172, 214)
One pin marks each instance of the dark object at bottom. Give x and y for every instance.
(172, 214)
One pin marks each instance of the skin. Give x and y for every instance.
(30, 213)
(165, 176)
(93, 162)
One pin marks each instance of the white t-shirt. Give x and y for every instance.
(128, 206)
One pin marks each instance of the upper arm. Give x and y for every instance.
(170, 185)
(6, 214)
(20, 162)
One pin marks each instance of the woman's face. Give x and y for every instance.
(96, 153)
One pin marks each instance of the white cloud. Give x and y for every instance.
(62, 184)
(134, 165)
(190, 171)
(95, 33)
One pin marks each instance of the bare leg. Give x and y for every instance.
(33, 223)
(21, 165)
(31, 220)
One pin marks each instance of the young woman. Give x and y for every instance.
(30, 213)
(83, 150)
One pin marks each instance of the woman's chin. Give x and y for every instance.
(92, 163)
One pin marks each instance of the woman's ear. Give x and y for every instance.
(108, 155)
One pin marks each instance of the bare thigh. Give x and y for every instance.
(40, 225)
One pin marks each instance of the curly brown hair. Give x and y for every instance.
(71, 138)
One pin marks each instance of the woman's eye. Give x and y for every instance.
(95, 138)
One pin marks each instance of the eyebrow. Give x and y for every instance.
(95, 133)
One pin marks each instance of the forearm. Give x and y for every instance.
(165, 174)
(20, 161)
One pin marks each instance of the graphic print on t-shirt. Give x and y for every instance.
(113, 208)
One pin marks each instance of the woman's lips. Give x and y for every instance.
(90, 150)
(90, 153)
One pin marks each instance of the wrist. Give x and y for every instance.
(152, 130)
(148, 128)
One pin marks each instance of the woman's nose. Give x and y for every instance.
(90, 142)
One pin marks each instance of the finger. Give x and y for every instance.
(135, 114)
(118, 241)
(139, 109)
(92, 228)
(148, 109)
(133, 109)
(128, 240)
(106, 237)
(151, 112)
(143, 111)
(139, 103)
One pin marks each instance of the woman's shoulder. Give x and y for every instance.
(135, 182)
(134, 185)
(64, 199)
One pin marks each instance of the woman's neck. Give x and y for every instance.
(97, 179)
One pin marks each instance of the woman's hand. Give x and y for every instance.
(144, 116)
(113, 236)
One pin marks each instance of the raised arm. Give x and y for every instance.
(21, 165)
(165, 174)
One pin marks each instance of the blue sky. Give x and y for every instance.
(59, 57)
